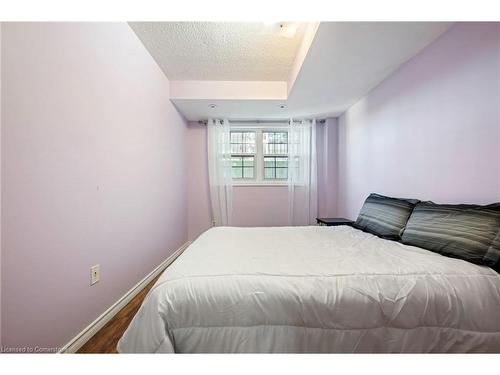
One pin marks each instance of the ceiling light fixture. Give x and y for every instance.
(284, 29)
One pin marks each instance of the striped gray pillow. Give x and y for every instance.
(384, 216)
(468, 232)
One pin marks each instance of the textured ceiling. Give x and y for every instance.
(221, 51)
(344, 62)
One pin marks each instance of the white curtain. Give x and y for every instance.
(219, 171)
(302, 173)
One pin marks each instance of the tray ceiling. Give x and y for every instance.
(248, 71)
(222, 51)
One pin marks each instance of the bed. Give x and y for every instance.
(315, 289)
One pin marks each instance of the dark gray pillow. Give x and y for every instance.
(493, 254)
(385, 217)
(468, 232)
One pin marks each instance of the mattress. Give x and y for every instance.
(315, 289)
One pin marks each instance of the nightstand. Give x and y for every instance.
(333, 221)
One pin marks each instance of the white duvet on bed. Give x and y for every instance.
(315, 289)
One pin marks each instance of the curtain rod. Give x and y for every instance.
(204, 122)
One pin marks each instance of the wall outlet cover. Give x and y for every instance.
(95, 274)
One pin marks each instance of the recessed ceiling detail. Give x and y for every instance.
(258, 71)
(222, 51)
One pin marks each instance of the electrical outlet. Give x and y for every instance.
(95, 274)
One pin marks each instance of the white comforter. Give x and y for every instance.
(316, 289)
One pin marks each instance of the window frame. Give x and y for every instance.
(259, 179)
(275, 156)
(242, 156)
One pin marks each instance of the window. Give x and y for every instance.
(275, 155)
(275, 168)
(259, 156)
(242, 155)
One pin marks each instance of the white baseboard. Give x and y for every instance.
(79, 340)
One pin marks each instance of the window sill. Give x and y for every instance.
(259, 184)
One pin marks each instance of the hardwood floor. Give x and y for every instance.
(105, 340)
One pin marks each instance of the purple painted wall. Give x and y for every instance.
(1, 342)
(199, 209)
(256, 205)
(431, 130)
(260, 206)
(327, 150)
(93, 172)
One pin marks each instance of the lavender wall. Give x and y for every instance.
(1, 342)
(431, 130)
(327, 153)
(255, 206)
(93, 171)
(199, 211)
